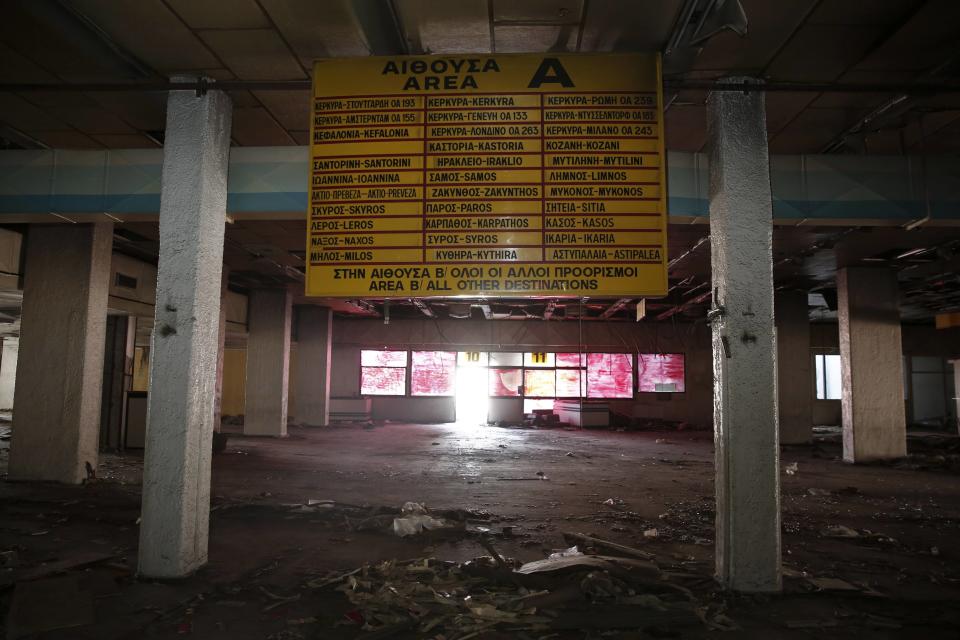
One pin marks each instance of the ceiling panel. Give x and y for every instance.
(439, 26)
(821, 53)
(216, 14)
(923, 42)
(553, 11)
(21, 114)
(17, 68)
(254, 127)
(812, 129)
(151, 32)
(628, 25)
(91, 119)
(317, 29)
(864, 12)
(770, 25)
(125, 141)
(535, 39)
(145, 111)
(66, 140)
(254, 54)
(290, 108)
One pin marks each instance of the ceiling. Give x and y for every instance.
(813, 41)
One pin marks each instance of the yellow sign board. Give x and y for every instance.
(488, 175)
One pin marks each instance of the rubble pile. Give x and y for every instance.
(568, 591)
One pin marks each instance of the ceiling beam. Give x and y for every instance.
(672, 311)
(615, 307)
(424, 307)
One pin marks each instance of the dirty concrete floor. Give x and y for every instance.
(905, 560)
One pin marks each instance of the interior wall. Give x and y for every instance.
(695, 405)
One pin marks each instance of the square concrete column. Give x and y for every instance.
(8, 371)
(117, 370)
(183, 362)
(221, 342)
(744, 344)
(56, 420)
(268, 363)
(312, 380)
(956, 391)
(871, 364)
(794, 375)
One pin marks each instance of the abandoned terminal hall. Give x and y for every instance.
(479, 319)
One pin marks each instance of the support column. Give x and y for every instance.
(744, 345)
(117, 366)
(312, 379)
(795, 379)
(871, 364)
(183, 359)
(56, 422)
(221, 342)
(8, 371)
(956, 393)
(268, 363)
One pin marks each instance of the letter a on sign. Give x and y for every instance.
(550, 71)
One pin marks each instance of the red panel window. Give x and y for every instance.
(505, 383)
(383, 373)
(660, 372)
(570, 383)
(571, 360)
(609, 375)
(383, 381)
(432, 373)
(539, 383)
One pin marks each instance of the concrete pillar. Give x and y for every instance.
(268, 363)
(871, 364)
(794, 375)
(117, 370)
(744, 344)
(312, 380)
(8, 371)
(56, 421)
(183, 359)
(221, 342)
(956, 393)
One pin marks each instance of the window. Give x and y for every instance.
(506, 359)
(571, 383)
(609, 375)
(383, 373)
(660, 372)
(505, 383)
(433, 373)
(829, 384)
(539, 383)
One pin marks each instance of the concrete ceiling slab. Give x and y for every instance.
(254, 54)
(152, 32)
(215, 14)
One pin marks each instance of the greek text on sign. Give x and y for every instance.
(497, 175)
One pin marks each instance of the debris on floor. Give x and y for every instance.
(415, 519)
(568, 591)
